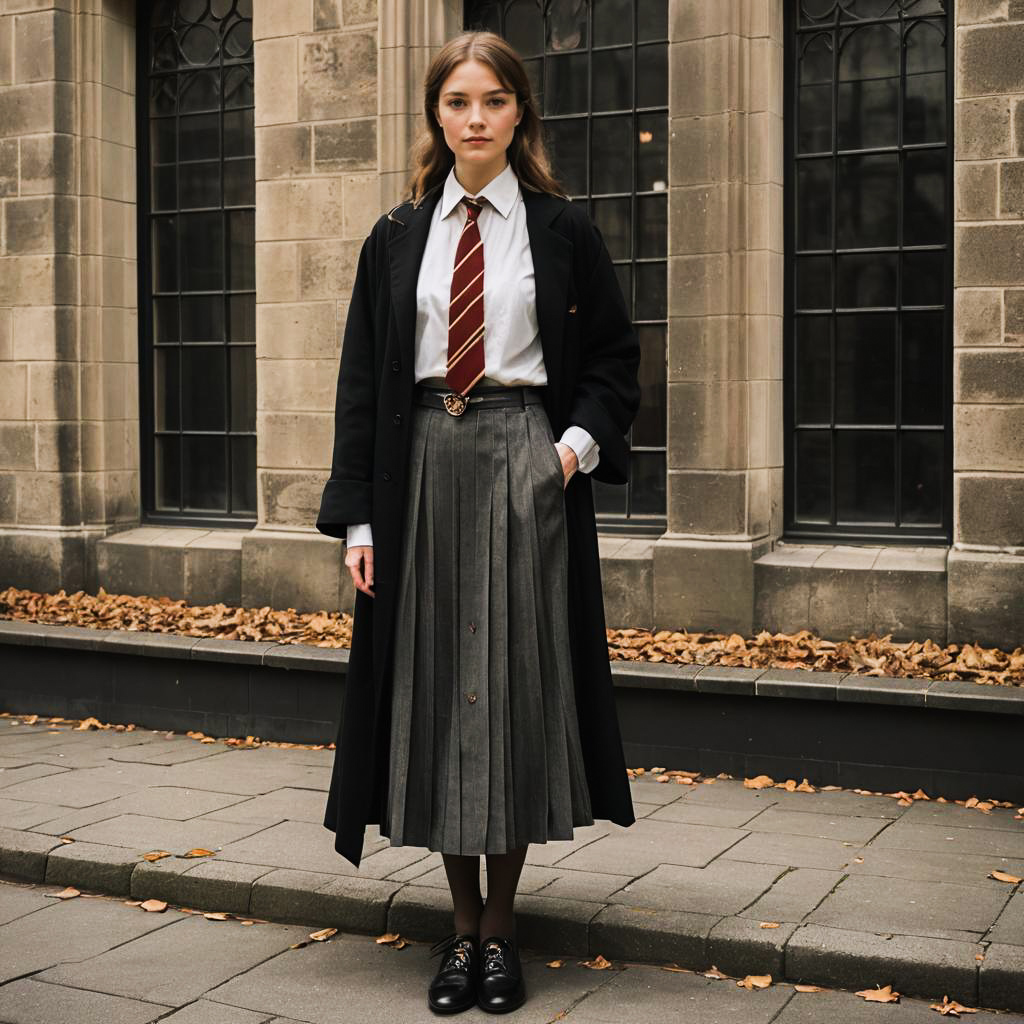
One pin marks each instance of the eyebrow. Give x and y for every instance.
(455, 92)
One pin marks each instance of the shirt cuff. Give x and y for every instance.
(584, 445)
(359, 534)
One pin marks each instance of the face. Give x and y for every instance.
(478, 115)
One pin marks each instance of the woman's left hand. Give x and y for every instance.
(569, 461)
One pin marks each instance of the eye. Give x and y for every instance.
(454, 103)
(498, 101)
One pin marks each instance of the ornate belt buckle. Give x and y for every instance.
(454, 403)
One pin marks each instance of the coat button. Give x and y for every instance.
(387, 475)
(398, 417)
(394, 365)
(572, 309)
(472, 627)
(471, 697)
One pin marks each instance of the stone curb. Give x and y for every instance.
(807, 953)
(959, 695)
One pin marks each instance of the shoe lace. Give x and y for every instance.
(493, 957)
(456, 950)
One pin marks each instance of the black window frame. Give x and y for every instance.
(863, 533)
(149, 513)
(627, 522)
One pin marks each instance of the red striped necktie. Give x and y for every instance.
(465, 364)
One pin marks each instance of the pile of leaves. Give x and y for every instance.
(869, 655)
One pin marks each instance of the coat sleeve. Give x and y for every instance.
(348, 494)
(607, 392)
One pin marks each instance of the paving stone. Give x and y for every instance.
(418, 869)
(1001, 977)
(248, 773)
(722, 887)
(20, 814)
(384, 862)
(793, 896)
(793, 851)
(823, 826)
(646, 790)
(701, 814)
(24, 773)
(646, 844)
(355, 904)
(355, 979)
(667, 997)
(576, 885)
(819, 1007)
(856, 960)
(79, 788)
(644, 933)
(143, 833)
(21, 899)
(23, 854)
(172, 751)
(106, 869)
(931, 813)
(557, 850)
(27, 1001)
(287, 804)
(169, 802)
(177, 964)
(211, 885)
(69, 930)
(966, 869)
(555, 925)
(732, 794)
(840, 801)
(951, 839)
(203, 1011)
(301, 845)
(738, 947)
(941, 910)
(1009, 926)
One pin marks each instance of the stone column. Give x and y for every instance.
(986, 563)
(725, 236)
(68, 346)
(316, 199)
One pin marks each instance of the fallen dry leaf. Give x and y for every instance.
(154, 906)
(323, 935)
(554, 963)
(155, 855)
(216, 915)
(597, 964)
(809, 988)
(388, 937)
(752, 981)
(879, 995)
(65, 894)
(66, 839)
(1002, 876)
(769, 924)
(198, 852)
(676, 969)
(950, 1007)
(759, 782)
(714, 972)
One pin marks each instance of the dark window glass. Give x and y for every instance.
(868, 269)
(599, 71)
(198, 309)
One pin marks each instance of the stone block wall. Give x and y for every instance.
(68, 334)
(986, 564)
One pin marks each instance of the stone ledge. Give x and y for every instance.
(723, 679)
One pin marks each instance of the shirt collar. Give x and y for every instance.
(501, 192)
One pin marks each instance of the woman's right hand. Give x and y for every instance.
(360, 564)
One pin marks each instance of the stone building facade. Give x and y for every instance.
(874, 482)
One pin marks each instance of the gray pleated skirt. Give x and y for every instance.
(485, 746)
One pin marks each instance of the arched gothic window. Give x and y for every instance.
(197, 298)
(599, 71)
(868, 323)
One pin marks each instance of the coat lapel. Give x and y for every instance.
(405, 253)
(552, 263)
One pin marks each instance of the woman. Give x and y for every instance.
(486, 316)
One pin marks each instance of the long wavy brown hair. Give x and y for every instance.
(431, 157)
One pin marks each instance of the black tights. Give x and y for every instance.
(472, 915)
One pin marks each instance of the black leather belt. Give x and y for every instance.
(485, 397)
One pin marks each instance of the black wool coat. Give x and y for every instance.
(591, 356)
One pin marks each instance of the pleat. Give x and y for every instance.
(485, 749)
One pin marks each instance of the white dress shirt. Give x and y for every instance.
(512, 347)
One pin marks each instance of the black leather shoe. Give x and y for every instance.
(501, 987)
(454, 986)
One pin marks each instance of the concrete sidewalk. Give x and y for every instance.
(864, 892)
